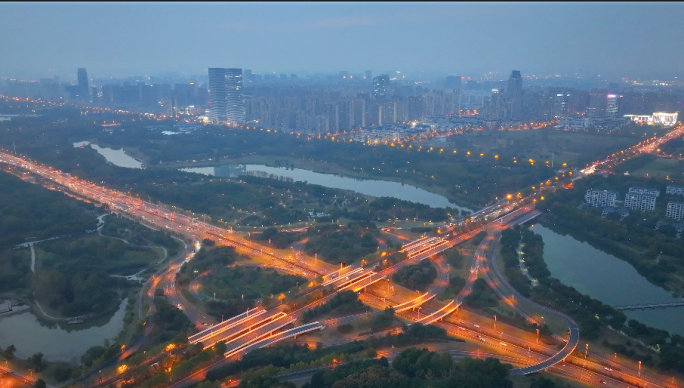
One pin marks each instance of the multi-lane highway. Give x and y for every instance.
(244, 332)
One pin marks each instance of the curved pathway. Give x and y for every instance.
(487, 265)
(572, 342)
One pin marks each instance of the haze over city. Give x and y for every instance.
(611, 39)
(317, 195)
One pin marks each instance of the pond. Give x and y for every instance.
(58, 341)
(376, 188)
(606, 278)
(115, 157)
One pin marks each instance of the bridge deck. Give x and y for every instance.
(208, 335)
(225, 325)
(246, 327)
(338, 276)
(439, 314)
(235, 347)
(649, 306)
(283, 335)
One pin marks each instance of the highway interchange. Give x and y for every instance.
(266, 327)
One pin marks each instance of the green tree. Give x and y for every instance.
(9, 351)
(37, 361)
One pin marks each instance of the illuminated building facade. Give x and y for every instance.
(235, 102)
(217, 95)
(657, 118)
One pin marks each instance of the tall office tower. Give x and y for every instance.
(235, 102)
(174, 108)
(560, 102)
(217, 95)
(380, 86)
(597, 102)
(455, 107)
(415, 107)
(452, 82)
(515, 95)
(248, 76)
(612, 103)
(83, 91)
(368, 75)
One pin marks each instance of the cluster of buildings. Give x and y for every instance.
(376, 105)
(657, 118)
(159, 95)
(637, 198)
(380, 105)
(601, 108)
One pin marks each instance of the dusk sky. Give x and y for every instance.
(616, 39)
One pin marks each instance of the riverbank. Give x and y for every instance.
(608, 330)
(324, 168)
(626, 254)
(610, 280)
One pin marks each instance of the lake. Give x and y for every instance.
(116, 157)
(606, 278)
(58, 340)
(375, 188)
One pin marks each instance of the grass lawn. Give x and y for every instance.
(232, 283)
(662, 168)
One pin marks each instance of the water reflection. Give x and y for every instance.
(115, 157)
(608, 279)
(57, 340)
(376, 188)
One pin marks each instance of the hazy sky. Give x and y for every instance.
(618, 39)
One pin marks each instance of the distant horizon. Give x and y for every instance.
(70, 76)
(612, 39)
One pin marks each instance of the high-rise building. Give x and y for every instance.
(597, 103)
(600, 198)
(643, 202)
(452, 82)
(368, 75)
(514, 95)
(235, 103)
(612, 105)
(82, 91)
(644, 190)
(218, 90)
(675, 210)
(380, 86)
(560, 105)
(674, 189)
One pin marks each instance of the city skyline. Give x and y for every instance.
(299, 38)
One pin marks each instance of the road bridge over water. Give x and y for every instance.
(649, 306)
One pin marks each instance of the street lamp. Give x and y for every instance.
(639, 368)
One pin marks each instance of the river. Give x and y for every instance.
(116, 157)
(375, 188)
(606, 278)
(58, 341)
(372, 187)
